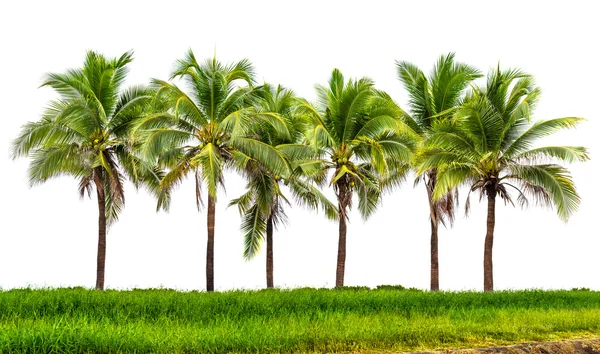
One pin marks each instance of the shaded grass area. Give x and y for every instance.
(301, 320)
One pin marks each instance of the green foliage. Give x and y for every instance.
(209, 128)
(301, 320)
(433, 100)
(264, 201)
(390, 287)
(356, 131)
(490, 147)
(436, 96)
(85, 132)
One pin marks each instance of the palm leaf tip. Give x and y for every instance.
(553, 180)
(253, 227)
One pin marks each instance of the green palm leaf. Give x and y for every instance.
(253, 226)
(568, 154)
(209, 160)
(266, 154)
(556, 181)
(537, 130)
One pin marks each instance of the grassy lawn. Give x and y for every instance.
(302, 320)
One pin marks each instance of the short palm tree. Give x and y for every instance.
(489, 146)
(356, 132)
(432, 99)
(207, 131)
(262, 206)
(84, 134)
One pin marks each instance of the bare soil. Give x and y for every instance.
(582, 346)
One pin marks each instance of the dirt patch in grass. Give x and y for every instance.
(582, 346)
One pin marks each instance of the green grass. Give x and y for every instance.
(302, 320)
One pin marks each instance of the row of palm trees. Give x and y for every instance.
(354, 139)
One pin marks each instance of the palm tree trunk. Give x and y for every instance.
(270, 252)
(341, 258)
(210, 246)
(488, 274)
(434, 222)
(101, 260)
(435, 270)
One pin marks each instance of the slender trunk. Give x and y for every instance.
(341, 257)
(210, 246)
(435, 270)
(270, 252)
(101, 260)
(488, 274)
(434, 222)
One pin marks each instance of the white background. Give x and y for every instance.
(48, 235)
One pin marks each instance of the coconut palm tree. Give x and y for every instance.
(489, 146)
(262, 206)
(356, 132)
(207, 131)
(435, 98)
(84, 134)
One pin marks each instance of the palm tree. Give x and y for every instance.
(432, 99)
(355, 131)
(84, 134)
(207, 131)
(262, 206)
(489, 147)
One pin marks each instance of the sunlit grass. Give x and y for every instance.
(302, 320)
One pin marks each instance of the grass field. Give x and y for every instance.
(301, 320)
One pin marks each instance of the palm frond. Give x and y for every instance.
(209, 160)
(182, 105)
(86, 185)
(539, 129)
(266, 154)
(439, 160)
(344, 171)
(450, 178)
(448, 80)
(368, 191)
(483, 121)
(113, 202)
(563, 153)
(57, 161)
(134, 103)
(296, 152)
(254, 226)
(244, 201)
(415, 82)
(319, 137)
(42, 134)
(70, 85)
(311, 197)
(555, 180)
(157, 141)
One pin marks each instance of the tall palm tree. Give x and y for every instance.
(84, 134)
(262, 206)
(206, 131)
(432, 99)
(356, 131)
(489, 146)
